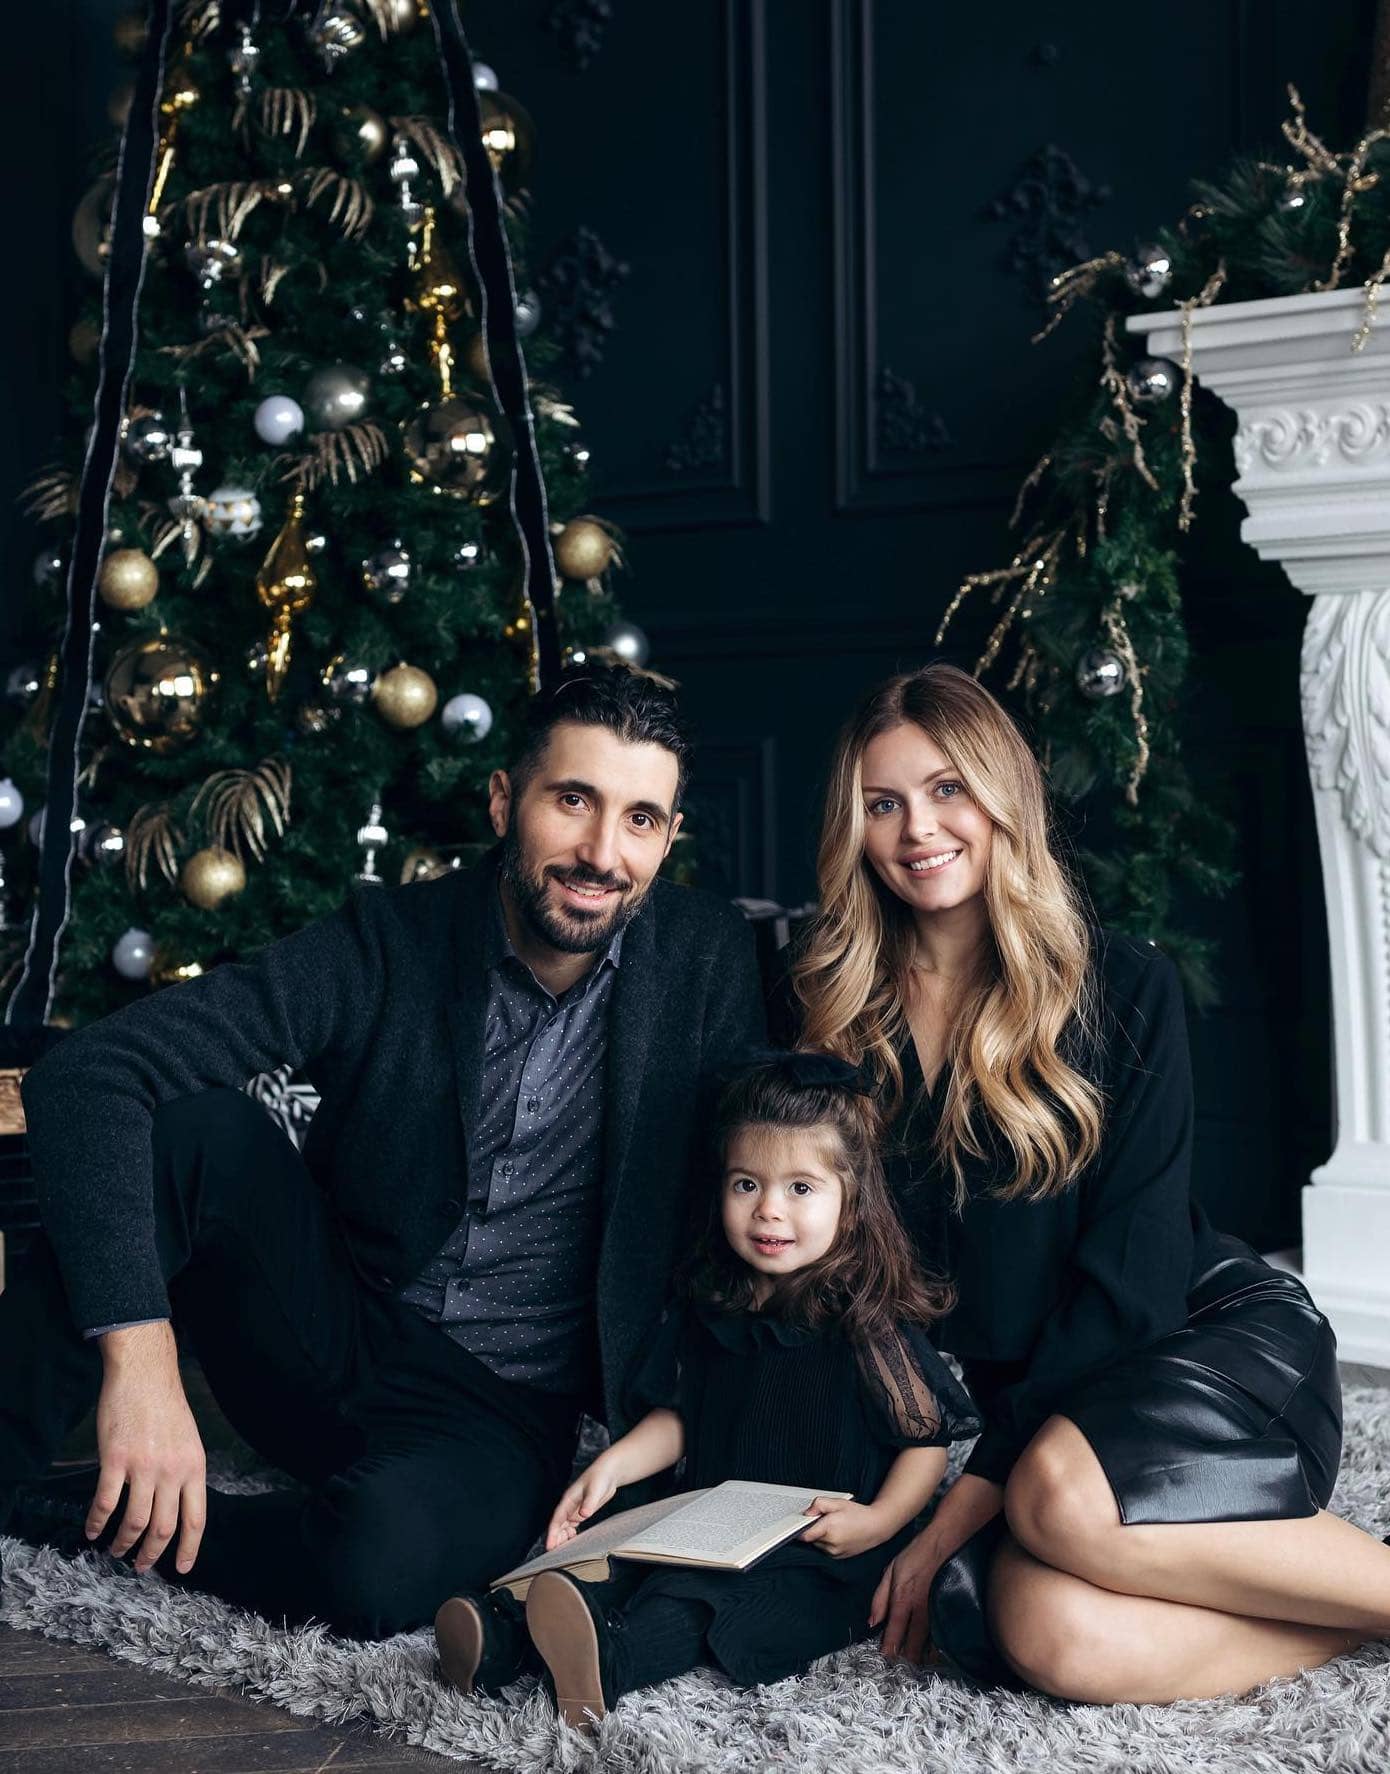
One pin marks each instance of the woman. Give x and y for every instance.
(1143, 1517)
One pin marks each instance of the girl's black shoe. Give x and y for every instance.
(575, 1637)
(483, 1643)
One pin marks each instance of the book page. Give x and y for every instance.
(728, 1526)
(599, 1541)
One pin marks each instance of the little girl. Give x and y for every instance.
(799, 1356)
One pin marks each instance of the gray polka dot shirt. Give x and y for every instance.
(515, 1282)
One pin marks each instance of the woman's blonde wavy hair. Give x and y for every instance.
(1015, 1036)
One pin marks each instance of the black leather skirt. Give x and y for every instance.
(1235, 1417)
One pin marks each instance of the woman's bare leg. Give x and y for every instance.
(1079, 1642)
(1317, 1570)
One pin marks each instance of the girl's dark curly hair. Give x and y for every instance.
(867, 1281)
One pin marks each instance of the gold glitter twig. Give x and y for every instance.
(1030, 572)
(1358, 181)
(1368, 313)
(1118, 389)
(1116, 632)
(1203, 299)
(1068, 287)
(1034, 475)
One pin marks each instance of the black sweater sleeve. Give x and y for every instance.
(1130, 1267)
(735, 1020)
(90, 1100)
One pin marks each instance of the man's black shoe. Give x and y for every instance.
(483, 1643)
(576, 1638)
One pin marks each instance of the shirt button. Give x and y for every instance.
(532, 1104)
(506, 1167)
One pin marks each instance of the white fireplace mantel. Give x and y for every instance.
(1312, 451)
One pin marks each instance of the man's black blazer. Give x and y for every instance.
(381, 1004)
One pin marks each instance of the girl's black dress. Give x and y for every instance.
(1204, 1380)
(765, 1400)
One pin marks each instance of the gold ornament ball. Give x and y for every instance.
(405, 696)
(84, 338)
(210, 876)
(157, 693)
(510, 139)
(118, 105)
(129, 32)
(583, 549)
(169, 968)
(129, 579)
(361, 135)
(475, 360)
(456, 446)
(401, 16)
(422, 864)
(91, 222)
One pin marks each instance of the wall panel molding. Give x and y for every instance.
(731, 487)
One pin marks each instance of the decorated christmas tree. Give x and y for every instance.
(318, 610)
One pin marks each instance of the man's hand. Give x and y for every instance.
(147, 1441)
(844, 1527)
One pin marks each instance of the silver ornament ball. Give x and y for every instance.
(277, 419)
(133, 954)
(11, 804)
(484, 77)
(386, 573)
(466, 718)
(102, 845)
(1100, 673)
(628, 642)
(347, 681)
(336, 396)
(335, 32)
(50, 568)
(1150, 271)
(394, 363)
(148, 438)
(468, 555)
(1153, 379)
(528, 313)
(23, 683)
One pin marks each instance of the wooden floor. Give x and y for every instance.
(65, 1709)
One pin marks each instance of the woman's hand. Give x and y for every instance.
(595, 1485)
(900, 1601)
(844, 1527)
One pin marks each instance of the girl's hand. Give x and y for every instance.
(844, 1527)
(585, 1497)
(900, 1602)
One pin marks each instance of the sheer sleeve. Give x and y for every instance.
(914, 1399)
(661, 1375)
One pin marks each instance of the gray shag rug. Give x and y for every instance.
(851, 1714)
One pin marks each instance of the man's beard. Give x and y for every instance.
(569, 931)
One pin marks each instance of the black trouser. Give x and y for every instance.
(426, 1473)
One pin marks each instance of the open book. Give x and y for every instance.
(726, 1528)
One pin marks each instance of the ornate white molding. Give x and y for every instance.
(1345, 687)
(1285, 439)
(1312, 451)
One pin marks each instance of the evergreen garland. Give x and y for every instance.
(1096, 571)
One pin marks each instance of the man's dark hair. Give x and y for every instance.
(637, 706)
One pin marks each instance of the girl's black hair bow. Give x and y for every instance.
(803, 1068)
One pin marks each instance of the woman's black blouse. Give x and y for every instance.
(1049, 1291)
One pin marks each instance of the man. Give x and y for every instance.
(410, 1317)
